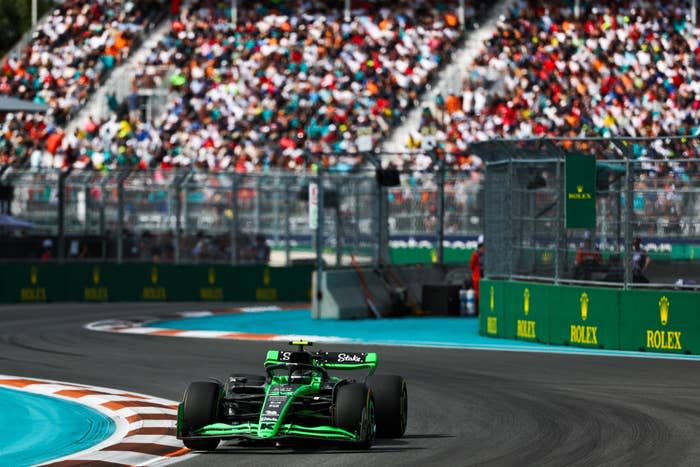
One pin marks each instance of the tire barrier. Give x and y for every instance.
(108, 282)
(593, 317)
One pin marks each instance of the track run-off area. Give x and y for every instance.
(466, 405)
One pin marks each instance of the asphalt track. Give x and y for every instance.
(465, 406)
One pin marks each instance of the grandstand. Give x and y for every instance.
(294, 85)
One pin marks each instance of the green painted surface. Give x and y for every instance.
(645, 320)
(584, 317)
(492, 305)
(660, 321)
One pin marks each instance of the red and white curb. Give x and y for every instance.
(138, 326)
(145, 425)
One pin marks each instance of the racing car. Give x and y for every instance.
(297, 399)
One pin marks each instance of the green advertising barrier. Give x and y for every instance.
(102, 282)
(646, 320)
(492, 306)
(410, 255)
(527, 312)
(660, 321)
(584, 317)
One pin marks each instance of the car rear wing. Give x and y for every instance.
(327, 360)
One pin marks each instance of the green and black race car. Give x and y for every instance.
(297, 399)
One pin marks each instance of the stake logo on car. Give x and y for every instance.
(342, 358)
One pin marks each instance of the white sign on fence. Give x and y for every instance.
(313, 205)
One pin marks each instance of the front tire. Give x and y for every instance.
(354, 412)
(391, 404)
(200, 408)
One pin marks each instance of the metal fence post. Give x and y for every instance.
(441, 212)
(338, 223)
(276, 209)
(178, 220)
(234, 219)
(509, 203)
(287, 222)
(356, 227)
(319, 240)
(102, 221)
(256, 205)
(559, 227)
(61, 250)
(628, 220)
(120, 218)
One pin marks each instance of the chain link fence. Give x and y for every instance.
(183, 216)
(647, 212)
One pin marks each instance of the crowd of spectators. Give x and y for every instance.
(624, 68)
(289, 77)
(69, 55)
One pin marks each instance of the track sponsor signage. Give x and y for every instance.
(102, 282)
(664, 338)
(580, 184)
(212, 291)
(266, 293)
(34, 291)
(583, 333)
(154, 291)
(644, 320)
(526, 328)
(313, 205)
(491, 305)
(530, 310)
(96, 291)
(660, 321)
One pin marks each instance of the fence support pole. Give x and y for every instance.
(61, 250)
(628, 220)
(120, 219)
(276, 209)
(319, 240)
(287, 224)
(256, 205)
(558, 223)
(103, 233)
(356, 226)
(440, 253)
(178, 221)
(338, 237)
(234, 219)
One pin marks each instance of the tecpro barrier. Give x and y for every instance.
(594, 317)
(102, 282)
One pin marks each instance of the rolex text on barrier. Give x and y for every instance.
(640, 320)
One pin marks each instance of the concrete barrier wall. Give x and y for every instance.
(76, 282)
(343, 295)
(646, 320)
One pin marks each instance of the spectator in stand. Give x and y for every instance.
(624, 68)
(68, 56)
(291, 77)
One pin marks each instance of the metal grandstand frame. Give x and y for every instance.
(644, 189)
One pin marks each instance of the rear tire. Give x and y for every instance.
(391, 404)
(200, 408)
(354, 412)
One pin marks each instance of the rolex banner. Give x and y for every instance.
(580, 191)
